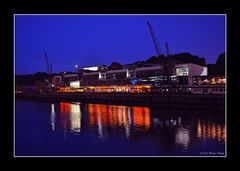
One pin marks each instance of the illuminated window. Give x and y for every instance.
(182, 71)
(75, 84)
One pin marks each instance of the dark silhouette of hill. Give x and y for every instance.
(30, 79)
(115, 66)
(178, 58)
(217, 69)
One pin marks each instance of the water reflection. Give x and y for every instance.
(52, 117)
(160, 122)
(82, 129)
(141, 117)
(132, 119)
(70, 117)
(75, 118)
(182, 137)
(211, 131)
(173, 129)
(114, 116)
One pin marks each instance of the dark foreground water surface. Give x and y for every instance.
(84, 129)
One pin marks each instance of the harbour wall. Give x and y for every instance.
(175, 101)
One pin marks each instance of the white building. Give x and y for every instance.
(190, 70)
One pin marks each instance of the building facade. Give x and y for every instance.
(132, 78)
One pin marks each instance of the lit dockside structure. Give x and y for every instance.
(157, 75)
(170, 76)
(183, 77)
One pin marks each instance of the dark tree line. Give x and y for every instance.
(213, 69)
(217, 69)
(179, 58)
(31, 78)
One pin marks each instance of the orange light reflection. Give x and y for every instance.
(211, 131)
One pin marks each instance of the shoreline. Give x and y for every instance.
(173, 101)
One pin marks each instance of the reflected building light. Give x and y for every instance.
(179, 121)
(204, 131)
(129, 122)
(208, 130)
(219, 132)
(147, 117)
(75, 108)
(199, 129)
(224, 134)
(115, 115)
(172, 122)
(75, 118)
(214, 132)
(167, 123)
(65, 117)
(182, 137)
(91, 108)
(120, 117)
(65, 107)
(104, 117)
(141, 117)
(175, 122)
(129, 115)
(126, 122)
(156, 122)
(52, 108)
(91, 118)
(127, 131)
(98, 108)
(52, 117)
(111, 116)
(100, 129)
(124, 118)
(146, 110)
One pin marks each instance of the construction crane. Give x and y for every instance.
(167, 49)
(47, 65)
(154, 38)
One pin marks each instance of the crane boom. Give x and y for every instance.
(154, 38)
(167, 48)
(46, 59)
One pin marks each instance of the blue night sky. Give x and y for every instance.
(90, 40)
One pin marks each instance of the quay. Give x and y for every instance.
(174, 101)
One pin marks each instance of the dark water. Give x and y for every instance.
(80, 129)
